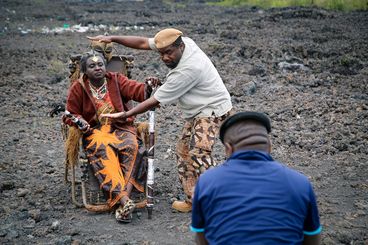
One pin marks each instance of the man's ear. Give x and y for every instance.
(229, 149)
(269, 144)
(182, 46)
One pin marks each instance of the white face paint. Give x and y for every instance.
(95, 68)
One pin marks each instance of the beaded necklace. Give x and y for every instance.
(99, 93)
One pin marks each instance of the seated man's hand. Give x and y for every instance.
(153, 82)
(86, 127)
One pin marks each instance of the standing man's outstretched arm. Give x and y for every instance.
(135, 42)
(140, 108)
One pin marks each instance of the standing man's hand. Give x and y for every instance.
(101, 38)
(118, 115)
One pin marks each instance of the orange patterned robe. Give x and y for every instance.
(113, 154)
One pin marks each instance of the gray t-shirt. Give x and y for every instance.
(195, 84)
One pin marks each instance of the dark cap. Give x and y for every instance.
(244, 116)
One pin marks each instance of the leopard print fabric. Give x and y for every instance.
(194, 150)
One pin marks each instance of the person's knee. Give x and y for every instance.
(200, 155)
(201, 159)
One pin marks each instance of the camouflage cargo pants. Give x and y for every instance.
(194, 150)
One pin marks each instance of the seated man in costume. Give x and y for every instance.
(111, 146)
(123, 64)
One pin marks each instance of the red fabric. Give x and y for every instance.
(80, 101)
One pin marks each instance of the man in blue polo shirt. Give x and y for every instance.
(252, 199)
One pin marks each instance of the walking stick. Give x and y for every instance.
(151, 168)
(150, 158)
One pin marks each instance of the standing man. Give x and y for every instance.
(252, 199)
(194, 83)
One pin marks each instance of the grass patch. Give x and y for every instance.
(56, 67)
(343, 5)
(174, 4)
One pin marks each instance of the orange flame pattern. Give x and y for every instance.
(112, 155)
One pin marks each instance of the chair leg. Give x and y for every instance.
(86, 177)
(74, 199)
(90, 207)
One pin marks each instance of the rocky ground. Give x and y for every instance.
(305, 67)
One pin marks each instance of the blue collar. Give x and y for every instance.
(251, 155)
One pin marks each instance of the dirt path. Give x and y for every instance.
(306, 68)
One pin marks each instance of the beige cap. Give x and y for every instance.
(166, 37)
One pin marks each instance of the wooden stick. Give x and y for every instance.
(151, 168)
